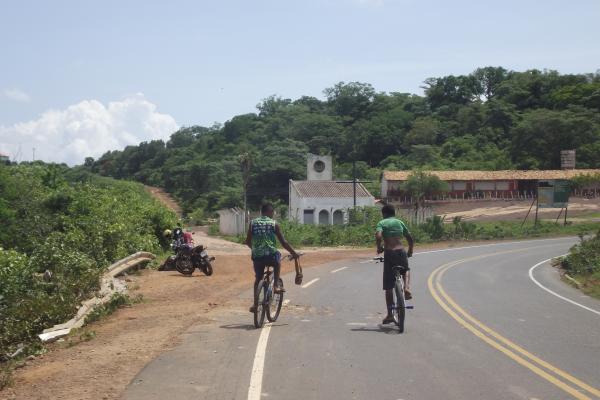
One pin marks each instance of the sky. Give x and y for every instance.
(79, 78)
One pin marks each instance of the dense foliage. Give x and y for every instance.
(490, 119)
(70, 226)
(583, 262)
(360, 230)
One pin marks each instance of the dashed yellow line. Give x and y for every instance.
(499, 342)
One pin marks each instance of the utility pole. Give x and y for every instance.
(354, 181)
(33, 158)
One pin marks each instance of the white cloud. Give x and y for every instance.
(17, 95)
(88, 128)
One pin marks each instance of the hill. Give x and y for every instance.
(490, 119)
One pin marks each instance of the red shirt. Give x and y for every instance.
(187, 238)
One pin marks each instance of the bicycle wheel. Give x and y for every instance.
(259, 305)
(275, 302)
(400, 304)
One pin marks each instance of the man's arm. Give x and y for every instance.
(248, 241)
(410, 241)
(378, 239)
(284, 243)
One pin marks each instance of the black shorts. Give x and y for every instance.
(393, 258)
(261, 262)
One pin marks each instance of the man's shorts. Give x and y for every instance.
(261, 262)
(393, 258)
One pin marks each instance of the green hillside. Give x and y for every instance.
(490, 119)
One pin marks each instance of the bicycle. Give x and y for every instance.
(266, 301)
(399, 305)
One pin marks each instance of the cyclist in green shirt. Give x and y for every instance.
(388, 237)
(262, 237)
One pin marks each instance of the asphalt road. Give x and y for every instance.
(481, 328)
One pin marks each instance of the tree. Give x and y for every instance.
(351, 100)
(421, 185)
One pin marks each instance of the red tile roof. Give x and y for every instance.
(494, 175)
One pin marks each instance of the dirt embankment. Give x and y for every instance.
(165, 198)
(131, 337)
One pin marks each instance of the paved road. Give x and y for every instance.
(481, 329)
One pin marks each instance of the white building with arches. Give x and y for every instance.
(321, 200)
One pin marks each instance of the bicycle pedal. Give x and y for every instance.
(409, 307)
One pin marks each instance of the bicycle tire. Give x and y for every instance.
(400, 304)
(259, 306)
(275, 303)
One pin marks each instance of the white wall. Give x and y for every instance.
(325, 175)
(232, 222)
(331, 204)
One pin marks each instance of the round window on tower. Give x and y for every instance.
(319, 166)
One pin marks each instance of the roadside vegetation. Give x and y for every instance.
(491, 119)
(61, 228)
(583, 264)
(361, 229)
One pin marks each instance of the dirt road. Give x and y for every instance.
(123, 343)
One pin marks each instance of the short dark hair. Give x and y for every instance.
(266, 207)
(388, 211)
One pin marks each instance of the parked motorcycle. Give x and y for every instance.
(186, 259)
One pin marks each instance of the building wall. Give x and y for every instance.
(330, 204)
(314, 175)
(463, 189)
(232, 222)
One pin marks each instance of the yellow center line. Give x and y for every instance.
(437, 290)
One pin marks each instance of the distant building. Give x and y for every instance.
(320, 199)
(4, 158)
(232, 221)
(464, 185)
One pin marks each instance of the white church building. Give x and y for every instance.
(320, 199)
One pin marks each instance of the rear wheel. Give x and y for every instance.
(400, 304)
(184, 266)
(275, 303)
(259, 305)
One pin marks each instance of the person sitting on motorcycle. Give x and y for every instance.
(188, 239)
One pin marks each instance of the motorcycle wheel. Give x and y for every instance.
(207, 268)
(184, 266)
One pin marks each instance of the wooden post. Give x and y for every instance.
(527, 215)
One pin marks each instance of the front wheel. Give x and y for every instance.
(399, 303)
(275, 303)
(259, 305)
(207, 268)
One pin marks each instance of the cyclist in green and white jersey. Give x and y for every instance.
(388, 237)
(262, 237)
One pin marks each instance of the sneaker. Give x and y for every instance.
(388, 320)
(278, 289)
(252, 309)
(407, 295)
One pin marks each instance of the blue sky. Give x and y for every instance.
(113, 73)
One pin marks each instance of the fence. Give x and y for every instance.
(416, 217)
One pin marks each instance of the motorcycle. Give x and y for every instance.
(187, 258)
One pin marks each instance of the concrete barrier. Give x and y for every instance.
(109, 285)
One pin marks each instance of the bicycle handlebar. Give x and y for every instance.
(290, 257)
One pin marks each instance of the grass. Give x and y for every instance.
(118, 300)
(589, 284)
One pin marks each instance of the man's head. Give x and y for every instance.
(388, 211)
(267, 210)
